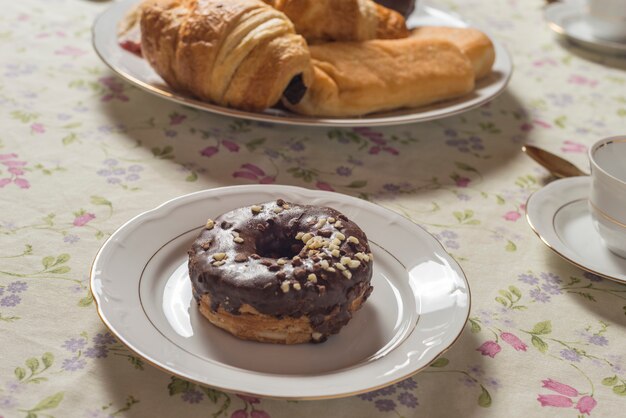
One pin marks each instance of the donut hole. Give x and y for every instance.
(277, 243)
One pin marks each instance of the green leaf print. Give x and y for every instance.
(48, 403)
(32, 364)
(539, 344)
(620, 390)
(47, 262)
(609, 381)
(48, 359)
(484, 399)
(99, 200)
(440, 362)
(357, 184)
(510, 246)
(177, 386)
(63, 258)
(20, 373)
(544, 327)
(60, 270)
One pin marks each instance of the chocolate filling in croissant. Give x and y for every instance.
(295, 90)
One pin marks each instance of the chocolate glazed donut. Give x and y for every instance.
(281, 272)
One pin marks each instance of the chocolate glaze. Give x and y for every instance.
(252, 273)
(295, 90)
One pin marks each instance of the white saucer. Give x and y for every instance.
(417, 310)
(559, 215)
(569, 19)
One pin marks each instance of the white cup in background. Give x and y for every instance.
(607, 199)
(608, 19)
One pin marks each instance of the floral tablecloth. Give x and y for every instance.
(81, 152)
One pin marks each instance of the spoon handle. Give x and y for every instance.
(557, 166)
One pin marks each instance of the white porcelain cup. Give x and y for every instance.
(607, 200)
(607, 19)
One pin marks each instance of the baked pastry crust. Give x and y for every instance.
(342, 20)
(241, 54)
(473, 43)
(357, 78)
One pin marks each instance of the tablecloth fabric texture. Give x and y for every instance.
(82, 151)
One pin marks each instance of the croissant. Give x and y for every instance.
(243, 54)
(342, 20)
(356, 78)
(472, 42)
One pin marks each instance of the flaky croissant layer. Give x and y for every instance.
(241, 54)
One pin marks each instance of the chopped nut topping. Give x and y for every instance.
(206, 245)
(325, 232)
(286, 206)
(280, 202)
(347, 274)
(335, 253)
(345, 260)
(274, 267)
(320, 223)
(338, 224)
(240, 258)
(313, 252)
(219, 263)
(362, 256)
(331, 220)
(281, 275)
(278, 209)
(219, 256)
(281, 261)
(299, 235)
(297, 286)
(238, 240)
(285, 286)
(316, 336)
(354, 264)
(256, 208)
(353, 240)
(324, 264)
(340, 266)
(331, 270)
(209, 224)
(336, 241)
(340, 235)
(306, 237)
(300, 273)
(312, 278)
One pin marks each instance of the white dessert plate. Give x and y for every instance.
(138, 72)
(569, 19)
(419, 306)
(559, 215)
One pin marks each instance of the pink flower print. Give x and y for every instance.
(177, 118)
(249, 399)
(240, 413)
(254, 173)
(259, 414)
(558, 387)
(230, 146)
(391, 150)
(70, 51)
(37, 128)
(115, 87)
(513, 341)
(586, 404)
(324, 186)
(375, 150)
(22, 183)
(545, 61)
(462, 181)
(83, 219)
(582, 80)
(526, 127)
(209, 151)
(489, 348)
(555, 400)
(512, 215)
(16, 169)
(571, 146)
